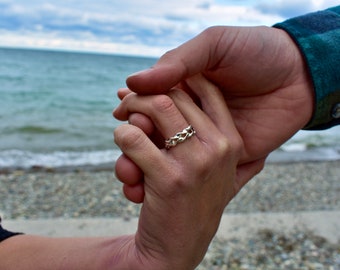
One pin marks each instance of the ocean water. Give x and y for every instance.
(56, 107)
(55, 110)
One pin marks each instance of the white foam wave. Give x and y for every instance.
(27, 159)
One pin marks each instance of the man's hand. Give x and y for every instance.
(260, 72)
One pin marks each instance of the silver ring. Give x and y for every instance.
(180, 137)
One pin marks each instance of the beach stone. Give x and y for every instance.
(308, 186)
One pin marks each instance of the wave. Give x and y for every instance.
(20, 159)
(27, 159)
(38, 130)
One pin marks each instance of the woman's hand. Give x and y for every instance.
(185, 188)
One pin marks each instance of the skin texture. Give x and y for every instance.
(263, 80)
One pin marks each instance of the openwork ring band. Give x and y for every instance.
(180, 137)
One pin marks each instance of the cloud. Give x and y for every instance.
(115, 24)
(292, 8)
(153, 26)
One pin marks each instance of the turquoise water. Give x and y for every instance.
(55, 109)
(57, 105)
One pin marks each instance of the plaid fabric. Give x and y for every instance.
(318, 37)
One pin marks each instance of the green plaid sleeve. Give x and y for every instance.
(318, 37)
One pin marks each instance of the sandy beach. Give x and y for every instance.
(280, 188)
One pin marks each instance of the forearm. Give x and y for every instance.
(34, 252)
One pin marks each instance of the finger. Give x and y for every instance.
(143, 122)
(192, 57)
(214, 110)
(213, 103)
(134, 193)
(140, 150)
(161, 109)
(122, 92)
(127, 171)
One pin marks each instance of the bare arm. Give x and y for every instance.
(35, 252)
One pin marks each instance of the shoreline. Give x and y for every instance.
(103, 160)
(273, 159)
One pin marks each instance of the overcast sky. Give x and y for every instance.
(138, 27)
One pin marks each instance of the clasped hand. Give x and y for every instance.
(184, 189)
(246, 91)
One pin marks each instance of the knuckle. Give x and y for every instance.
(182, 184)
(211, 32)
(168, 54)
(178, 185)
(128, 137)
(163, 104)
(222, 147)
(223, 150)
(180, 181)
(228, 147)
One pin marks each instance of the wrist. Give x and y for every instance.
(128, 252)
(121, 253)
(299, 77)
(317, 35)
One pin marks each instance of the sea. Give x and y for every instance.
(56, 111)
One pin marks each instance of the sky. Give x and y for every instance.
(133, 27)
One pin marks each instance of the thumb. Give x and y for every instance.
(194, 56)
